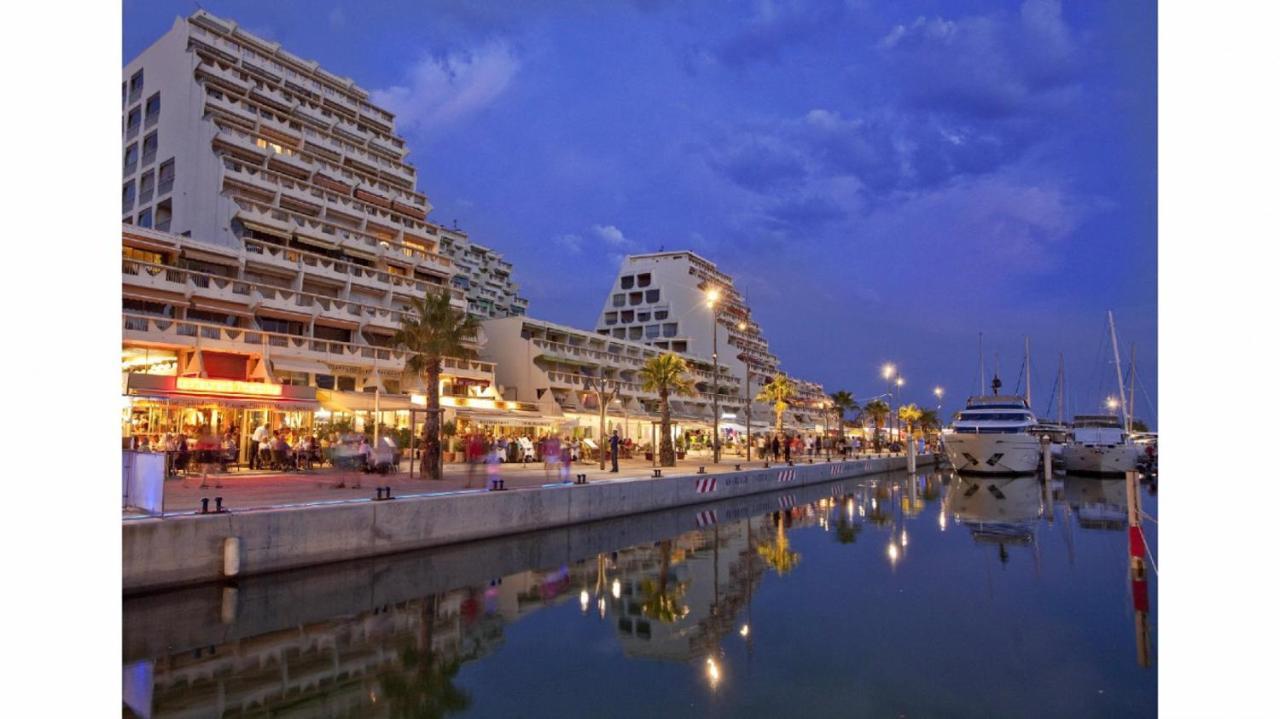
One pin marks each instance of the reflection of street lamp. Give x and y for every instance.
(713, 300)
(713, 672)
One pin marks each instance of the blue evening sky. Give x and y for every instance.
(884, 179)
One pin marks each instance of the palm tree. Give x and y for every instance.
(877, 410)
(909, 414)
(928, 420)
(666, 374)
(430, 331)
(842, 402)
(779, 391)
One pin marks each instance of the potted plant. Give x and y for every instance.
(450, 431)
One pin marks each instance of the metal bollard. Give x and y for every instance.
(702, 469)
(766, 464)
(737, 468)
(657, 473)
(218, 502)
(204, 505)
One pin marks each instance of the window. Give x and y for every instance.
(132, 124)
(133, 253)
(643, 280)
(135, 86)
(273, 146)
(271, 324)
(131, 158)
(147, 187)
(651, 295)
(153, 109)
(681, 346)
(166, 177)
(324, 381)
(670, 329)
(347, 384)
(218, 318)
(628, 316)
(635, 333)
(142, 307)
(619, 300)
(651, 331)
(144, 218)
(659, 314)
(164, 214)
(611, 318)
(620, 333)
(636, 297)
(642, 316)
(628, 281)
(149, 145)
(128, 197)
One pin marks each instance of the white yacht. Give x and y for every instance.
(1100, 446)
(993, 436)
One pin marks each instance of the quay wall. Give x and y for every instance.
(168, 552)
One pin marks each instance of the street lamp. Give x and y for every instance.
(713, 303)
(888, 371)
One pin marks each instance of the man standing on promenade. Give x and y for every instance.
(255, 444)
(613, 450)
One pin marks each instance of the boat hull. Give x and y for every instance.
(1100, 460)
(994, 454)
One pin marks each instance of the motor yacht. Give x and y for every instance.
(993, 436)
(1099, 446)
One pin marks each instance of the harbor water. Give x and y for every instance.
(901, 595)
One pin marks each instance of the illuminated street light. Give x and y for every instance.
(1112, 403)
(888, 370)
(900, 381)
(937, 392)
(744, 631)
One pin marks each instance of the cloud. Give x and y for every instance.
(777, 25)
(986, 66)
(440, 90)
(611, 235)
(570, 243)
(758, 161)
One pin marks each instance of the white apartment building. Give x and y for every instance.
(559, 367)
(483, 276)
(660, 299)
(272, 234)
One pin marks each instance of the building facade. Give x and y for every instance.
(483, 276)
(661, 299)
(272, 235)
(560, 368)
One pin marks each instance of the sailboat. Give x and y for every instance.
(1103, 444)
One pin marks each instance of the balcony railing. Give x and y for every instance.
(251, 340)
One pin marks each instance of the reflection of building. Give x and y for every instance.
(711, 589)
(660, 299)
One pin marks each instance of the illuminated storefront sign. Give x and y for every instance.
(228, 387)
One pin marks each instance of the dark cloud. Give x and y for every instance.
(759, 162)
(777, 26)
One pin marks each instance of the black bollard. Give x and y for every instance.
(702, 469)
(204, 505)
(737, 468)
(766, 464)
(790, 463)
(218, 502)
(379, 497)
(657, 473)
(388, 492)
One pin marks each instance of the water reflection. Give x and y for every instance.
(393, 637)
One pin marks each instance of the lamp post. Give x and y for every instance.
(888, 371)
(898, 398)
(937, 392)
(713, 299)
(742, 327)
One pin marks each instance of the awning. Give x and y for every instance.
(231, 258)
(284, 315)
(290, 405)
(492, 416)
(338, 401)
(311, 236)
(153, 295)
(283, 234)
(298, 365)
(231, 308)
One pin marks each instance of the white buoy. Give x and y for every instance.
(231, 557)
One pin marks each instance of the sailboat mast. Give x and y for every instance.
(1026, 360)
(1062, 385)
(1133, 371)
(982, 371)
(1115, 351)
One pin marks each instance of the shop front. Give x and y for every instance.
(159, 405)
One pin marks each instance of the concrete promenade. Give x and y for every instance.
(182, 549)
(241, 490)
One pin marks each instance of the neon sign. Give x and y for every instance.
(228, 386)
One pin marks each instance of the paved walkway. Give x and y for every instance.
(254, 490)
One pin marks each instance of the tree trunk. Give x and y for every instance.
(431, 460)
(667, 455)
(777, 414)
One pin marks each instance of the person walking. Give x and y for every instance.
(614, 442)
(255, 445)
(777, 448)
